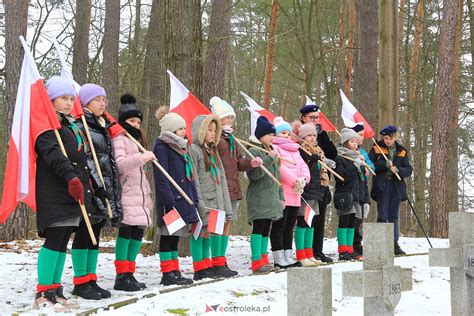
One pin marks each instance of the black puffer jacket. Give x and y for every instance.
(53, 171)
(105, 155)
(353, 180)
(313, 190)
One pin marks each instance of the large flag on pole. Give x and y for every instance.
(351, 116)
(185, 104)
(255, 112)
(326, 124)
(33, 115)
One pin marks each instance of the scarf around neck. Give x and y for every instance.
(179, 145)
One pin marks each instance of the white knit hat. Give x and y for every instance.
(221, 108)
(348, 133)
(171, 122)
(281, 125)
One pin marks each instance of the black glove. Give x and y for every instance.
(102, 194)
(319, 129)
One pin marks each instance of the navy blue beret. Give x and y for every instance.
(309, 108)
(389, 129)
(358, 127)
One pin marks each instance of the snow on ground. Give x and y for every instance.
(244, 295)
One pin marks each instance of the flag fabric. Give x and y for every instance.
(255, 112)
(216, 221)
(116, 129)
(351, 116)
(196, 228)
(173, 221)
(33, 115)
(185, 104)
(309, 213)
(325, 123)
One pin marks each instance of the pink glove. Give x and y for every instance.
(255, 162)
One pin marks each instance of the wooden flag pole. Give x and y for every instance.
(263, 149)
(157, 164)
(96, 161)
(83, 209)
(261, 166)
(365, 165)
(385, 157)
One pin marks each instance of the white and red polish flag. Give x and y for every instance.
(255, 112)
(185, 104)
(326, 124)
(309, 213)
(173, 221)
(196, 228)
(351, 116)
(216, 221)
(33, 115)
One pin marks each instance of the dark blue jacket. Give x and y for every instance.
(400, 160)
(167, 197)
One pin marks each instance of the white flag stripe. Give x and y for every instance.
(348, 111)
(198, 229)
(251, 102)
(220, 222)
(178, 92)
(176, 225)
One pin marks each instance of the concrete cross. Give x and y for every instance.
(381, 283)
(309, 291)
(459, 257)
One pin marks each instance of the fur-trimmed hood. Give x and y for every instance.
(200, 125)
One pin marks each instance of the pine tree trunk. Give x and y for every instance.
(80, 55)
(110, 77)
(133, 75)
(350, 48)
(16, 22)
(471, 33)
(442, 113)
(389, 72)
(270, 55)
(218, 48)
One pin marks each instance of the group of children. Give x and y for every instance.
(287, 168)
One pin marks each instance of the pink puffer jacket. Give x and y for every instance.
(289, 172)
(136, 194)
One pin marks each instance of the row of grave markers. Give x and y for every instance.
(381, 283)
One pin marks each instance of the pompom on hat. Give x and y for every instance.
(128, 108)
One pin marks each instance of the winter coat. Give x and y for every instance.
(136, 193)
(400, 160)
(313, 190)
(353, 179)
(167, 197)
(289, 172)
(326, 144)
(212, 194)
(105, 155)
(264, 197)
(53, 171)
(232, 166)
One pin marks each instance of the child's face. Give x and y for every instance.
(97, 105)
(285, 134)
(361, 137)
(134, 121)
(352, 143)
(228, 120)
(310, 139)
(181, 132)
(389, 139)
(311, 117)
(211, 133)
(267, 140)
(64, 104)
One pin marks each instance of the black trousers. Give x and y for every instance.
(131, 232)
(281, 235)
(168, 243)
(346, 221)
(261, 227)
(319, 222)
(357, 232)
(82, 240)
(56, 238)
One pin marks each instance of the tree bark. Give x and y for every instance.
(218, 50)
(133, 74)
(389, 75)
(110, 77)
(443, 110)
(80, 55)
(471, 31)
(350, 48)
(16, 22)
(269, 56)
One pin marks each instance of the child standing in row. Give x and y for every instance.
(348, 194)
(136, 194)
(172, 151)
(211, 185)
(294, 176)
(265, 199)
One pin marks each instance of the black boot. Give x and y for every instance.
(140, 284)
(173, 278)
(104, 293)
(182, 278)
(86, 291)
(397, 250)
(346, 256)
(232, 272)
(212, 274)
(322, 257)
(203, 274)
(358, 249)
(123, 282)
(222, 272)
